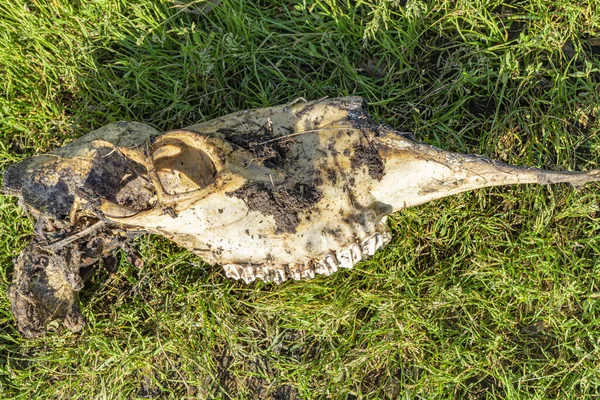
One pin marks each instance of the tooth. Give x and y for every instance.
(248, 274)
(295, 272)
(269, 274)
(386, 236)
(356, 253)
(308, 272)
(378, 241)
(279, 276)
(262, 273)
(331, 262)
(345, 258)
(282, 275)
(322, 268)
(232, 270)
(369, 246)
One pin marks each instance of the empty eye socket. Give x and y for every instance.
(181, 167)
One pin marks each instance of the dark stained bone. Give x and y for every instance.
(272, 194)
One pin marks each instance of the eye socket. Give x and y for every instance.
(181, 166)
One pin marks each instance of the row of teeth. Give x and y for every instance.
(345, 258)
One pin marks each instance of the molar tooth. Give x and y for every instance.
(345, 258)
(295, 272)
(232, 270)
(378, 241)
(322, 268)
(248, 274)
(283, 275)
(279, 276)
(331, 262)
(308, 272)
(269, 274)
(262, 273)
(356, 253)
(386, 237)
(369, 246)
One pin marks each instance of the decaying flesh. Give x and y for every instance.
(273, 194)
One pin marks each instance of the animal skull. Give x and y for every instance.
(271, 194)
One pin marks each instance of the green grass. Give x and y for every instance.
(490, 294)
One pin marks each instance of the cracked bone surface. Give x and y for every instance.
(278, 193)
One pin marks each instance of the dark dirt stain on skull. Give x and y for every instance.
(55, 200)
(284, 204)
(49, 194)
(272, 154)
(118, 179)
(358, 114)
(365, 154)
(332, 175)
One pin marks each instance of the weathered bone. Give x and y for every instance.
(273, 194)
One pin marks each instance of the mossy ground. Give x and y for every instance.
(490, 294)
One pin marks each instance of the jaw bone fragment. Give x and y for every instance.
(273, 194)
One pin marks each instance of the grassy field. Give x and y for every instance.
(490, 294)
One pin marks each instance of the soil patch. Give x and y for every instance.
(284, 204)
(366, 154)
(271, 154)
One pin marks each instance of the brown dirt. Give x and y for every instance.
(284, 204)
(106, 180)
(366, 155)
(51, 271)
(44, 288)
(46, 281)
(271, 154)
